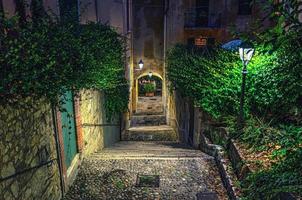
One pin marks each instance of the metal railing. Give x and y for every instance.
(200, 17)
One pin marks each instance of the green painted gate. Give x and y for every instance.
(68, 128)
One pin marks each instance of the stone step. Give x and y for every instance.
(148, 120)
(148, 155)
(140, 113)
(151, 133)
(148, 150)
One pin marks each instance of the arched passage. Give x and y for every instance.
(149, 94)
(150, 86)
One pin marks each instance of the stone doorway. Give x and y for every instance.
(150, 90)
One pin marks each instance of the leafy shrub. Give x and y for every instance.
(283, 176)
(149, 87)
(210, 80)
(213, 81)
(277, 86)
(46, 58)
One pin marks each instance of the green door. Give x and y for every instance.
(68, 128)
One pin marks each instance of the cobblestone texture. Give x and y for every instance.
(112, 173)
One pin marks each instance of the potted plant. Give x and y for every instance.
(149, 89)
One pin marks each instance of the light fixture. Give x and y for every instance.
(150, 74)
(246, 53)
(141, 64)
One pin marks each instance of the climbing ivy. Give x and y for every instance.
(45, 58)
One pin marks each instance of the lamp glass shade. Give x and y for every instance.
(246, 54)
(141, 64)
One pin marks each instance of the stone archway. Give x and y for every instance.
(149, 94)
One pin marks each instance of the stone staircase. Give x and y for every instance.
(156, 150)
(148, 120)
(149, 127)
(151, 133)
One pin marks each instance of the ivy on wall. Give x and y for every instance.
(46, 58)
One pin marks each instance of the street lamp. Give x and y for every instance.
(246, 53)
(141, 64)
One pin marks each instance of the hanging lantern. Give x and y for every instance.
(141, 64)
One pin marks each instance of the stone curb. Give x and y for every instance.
(237, 161)
(223, 165)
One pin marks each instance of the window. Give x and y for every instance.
(245, 7)
(202, 13)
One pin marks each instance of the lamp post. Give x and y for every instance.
(246, 53)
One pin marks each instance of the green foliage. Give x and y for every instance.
(46, 58)
(207, 79)
(274, 81)
(283, 176)
(213, 81)
(149, 87)
(277, 86)
(260, 135)
(116, 100)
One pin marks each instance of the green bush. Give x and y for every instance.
(44, 59)
(283, 176)
(210, 80)
(149, 87)
(213, 81)
(277, 85)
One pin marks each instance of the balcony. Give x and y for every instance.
(200, 18)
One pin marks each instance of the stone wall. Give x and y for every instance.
(91, 112)
(147, 42)
(148, 35)
(28, 159)
(179, 115)
(97, 131)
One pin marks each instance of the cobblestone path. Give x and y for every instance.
(112, 173)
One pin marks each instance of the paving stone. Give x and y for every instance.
(207, 196)
(180, 177)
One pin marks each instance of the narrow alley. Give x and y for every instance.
(150, 100)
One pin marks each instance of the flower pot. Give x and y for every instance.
(149, 94)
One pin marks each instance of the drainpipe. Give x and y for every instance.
(58, 148)
(96, 10)
(166, 9)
